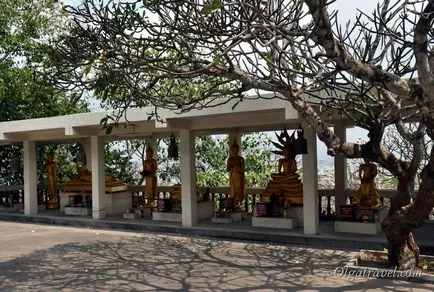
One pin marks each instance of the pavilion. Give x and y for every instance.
(250, 115)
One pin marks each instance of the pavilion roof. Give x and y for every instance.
(248, 116)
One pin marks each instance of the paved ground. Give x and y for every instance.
(51, 258)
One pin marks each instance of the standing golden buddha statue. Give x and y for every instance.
(51, 169)
(150, 174)
(367, 196)
(236, 168)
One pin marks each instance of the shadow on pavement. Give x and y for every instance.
(171, 263)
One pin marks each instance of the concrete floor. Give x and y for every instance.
(53, 258)
(243, 230)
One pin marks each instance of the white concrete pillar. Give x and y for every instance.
(234, 135)
(98, 178)
(340, 130)
(188, 178)
(87, 151)
(310, 183)
(30, 178)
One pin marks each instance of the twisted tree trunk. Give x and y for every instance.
(403, 251)
(404, 217)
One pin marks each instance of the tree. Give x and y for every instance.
(191, 54)
(25, 90)
(118, 164)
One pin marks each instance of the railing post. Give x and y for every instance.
(320, 206)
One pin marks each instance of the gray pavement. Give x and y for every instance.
(52, 258)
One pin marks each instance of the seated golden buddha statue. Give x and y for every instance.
(236, 168)
(83, 182)
(367, 196)
(175, 195)
(286, 182)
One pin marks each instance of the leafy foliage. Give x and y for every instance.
(211, 155)
(25, 89)
(118, 164)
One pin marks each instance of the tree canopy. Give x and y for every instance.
(188, 54)
(26, 91)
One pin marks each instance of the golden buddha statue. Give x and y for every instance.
(286, 182)
(150, 174)
(51, 169)
(236, 168)
(367, 196)
(175, 195)
(83, 182)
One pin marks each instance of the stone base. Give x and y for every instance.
(78, 211)
(358, 227)
(234, 217)
(205, 210)
(167, 216)
(146, 212)
(382, 213)
(358, 214)
(13, 208)
(221, 220)
(363, 227)
(42, 208)
(116, 203)
(269, 222)
(132, 215)
(19, 207)
(295, 213)
(52, 205)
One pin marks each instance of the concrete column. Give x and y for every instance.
(340, 169)
(87, 151)
(310, 183)
(30, 178)
(98, 179)
(237, 137)
(188, 179)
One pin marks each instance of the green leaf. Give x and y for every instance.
(269, 60)
(109, 129)
(211, 7)
(298, 66)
